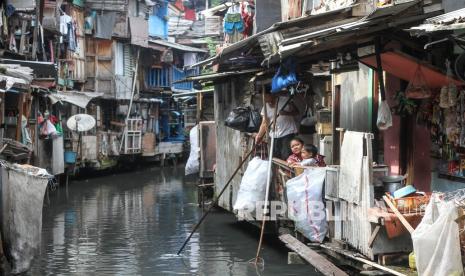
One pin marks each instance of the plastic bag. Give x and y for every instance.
(193, 164)
(449, 93)
(417, 87)
(305, 203)
(436, 241)
(284, 77)
(255, 120)
(238, 118)
(245, 119)
(253, 185)
(384, 120)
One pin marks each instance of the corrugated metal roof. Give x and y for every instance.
(177, 46)
(458, 15)
(445, 22)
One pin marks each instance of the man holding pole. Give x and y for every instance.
(286, 128)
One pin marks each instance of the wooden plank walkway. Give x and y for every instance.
(316, 260)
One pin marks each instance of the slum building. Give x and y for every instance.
(358, 59)
(113, 61)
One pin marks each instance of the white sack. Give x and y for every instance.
(305, 203)
(193, 164)
(253, 185)
(436, 241)
(384, 120)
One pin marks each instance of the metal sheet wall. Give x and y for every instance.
(355, 99)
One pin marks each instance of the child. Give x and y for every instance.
(309, 153)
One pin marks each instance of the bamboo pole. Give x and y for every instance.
(268, 182)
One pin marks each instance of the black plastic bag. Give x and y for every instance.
(238, 118)
(244, 119)
(255, 120)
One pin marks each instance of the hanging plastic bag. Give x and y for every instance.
(436, 241)
(255, 120)
(284, 77)
(384, 120)
(305, 203)
(252, 188)
(238, 118)
(193, 164)
(417, 87)
(449, 93)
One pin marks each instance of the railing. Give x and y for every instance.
(165, 76)
(159, 77)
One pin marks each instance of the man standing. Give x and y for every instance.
(286, 127)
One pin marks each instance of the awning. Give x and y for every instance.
(177, 46)
(210, 77)
(445, 22)
(404, 67)
(80, 99)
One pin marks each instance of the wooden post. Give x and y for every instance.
(20, 116)
(22, 42)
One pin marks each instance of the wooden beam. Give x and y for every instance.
(316, 260)
(353, 256)
(399, 215)
(373, 236)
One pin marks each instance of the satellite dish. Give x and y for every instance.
(80, 122)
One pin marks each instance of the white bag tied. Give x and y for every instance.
(253, 185)
(384, 120)
(193, 164)
(436, 240)
(305, 203)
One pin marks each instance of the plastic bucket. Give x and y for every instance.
(70, 157)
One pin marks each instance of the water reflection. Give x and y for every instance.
(133, 224)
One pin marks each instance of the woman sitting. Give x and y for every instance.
(296, 148)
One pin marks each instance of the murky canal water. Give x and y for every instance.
(133, 224)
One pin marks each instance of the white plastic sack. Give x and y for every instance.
(253, 185)
(436, 241)
(384, 120)
(193, 164)
(305, 203)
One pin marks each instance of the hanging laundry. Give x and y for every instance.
(233, 20)
(89, 22)
(72, 43)
(12, 45)
(5, 23)
(9, 10)
(1, 17)
(247, 15)
(105, 23)
(190, 58)
(64, 21)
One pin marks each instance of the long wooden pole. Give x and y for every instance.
(399, 215)
(268, 182)
(217, 199)
(224, 189)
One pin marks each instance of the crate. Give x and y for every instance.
(411, 204)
